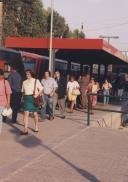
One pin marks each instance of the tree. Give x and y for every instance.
(60, 28)
(24, 18)
(77, 34)
(28, 18)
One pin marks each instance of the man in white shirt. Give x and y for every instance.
(49, 85)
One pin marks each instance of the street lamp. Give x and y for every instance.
(108, 37)
(51, 37)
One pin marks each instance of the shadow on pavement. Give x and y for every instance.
(32, 141)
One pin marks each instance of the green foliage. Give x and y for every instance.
(77, 34)
(28, 18)
(60, 28)
(24, 18)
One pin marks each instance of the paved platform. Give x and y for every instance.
(63, 151)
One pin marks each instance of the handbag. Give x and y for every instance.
(38, 101)
(6, 112)
(76, 92)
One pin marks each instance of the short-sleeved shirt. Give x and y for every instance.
(29, 85)
(3, 96)
(49, 85)
(72, 85)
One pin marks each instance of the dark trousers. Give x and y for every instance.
(15, 104)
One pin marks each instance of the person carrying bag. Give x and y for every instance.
(31, 89)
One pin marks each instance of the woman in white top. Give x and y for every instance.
(28, 97)
(106, 91)
(71, 86)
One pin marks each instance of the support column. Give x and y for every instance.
(99, 66)
(106, 71)
(81, 69)
(53, 62)
(69, 67)
(91, 70)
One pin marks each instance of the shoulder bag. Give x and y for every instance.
(76, 91)
(38, 101)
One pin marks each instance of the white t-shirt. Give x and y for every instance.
(72, 85)
(28, 86)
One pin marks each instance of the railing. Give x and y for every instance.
(101, 109)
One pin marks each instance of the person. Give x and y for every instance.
(83, 84)
(92, 88)
(71, 86)
(106, 91)
(61, 92)
(120, 87)
(50, 86)
(126, 84)
(5, 94)
(55, 99)
(28, 87)
(15, 80)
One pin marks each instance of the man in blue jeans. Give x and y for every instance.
(50, 86)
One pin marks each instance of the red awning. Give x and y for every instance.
(97, 50)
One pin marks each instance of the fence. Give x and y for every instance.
(104, 109)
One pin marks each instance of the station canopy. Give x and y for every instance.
(83, 51)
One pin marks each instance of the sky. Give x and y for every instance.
(99, 17)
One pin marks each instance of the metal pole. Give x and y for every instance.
(88, 114)
(51, 37)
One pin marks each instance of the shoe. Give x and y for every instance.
(42, 119)
(70, 111)
(51, 118)
(14, 122)
(36, 130)
(24, 133)
(63, 117)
